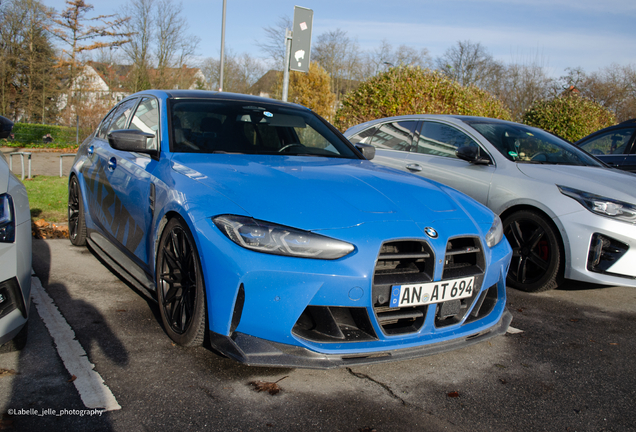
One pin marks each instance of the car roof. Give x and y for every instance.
(463, 118)
(206, 94)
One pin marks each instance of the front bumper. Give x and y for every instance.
(581, 228)
(253, 351)
(314, 313)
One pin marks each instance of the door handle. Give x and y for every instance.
(112, 164)
(414, 167)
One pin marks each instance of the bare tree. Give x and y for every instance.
(614, 87)
(27, 74)
(385, 57)
(273, 45)
(138, 51)
(467, 63)
(341, 57)
(160, 41)
(241, 72)
(75, 29)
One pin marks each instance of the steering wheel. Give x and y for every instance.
(282, 149)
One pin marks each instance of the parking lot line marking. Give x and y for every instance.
(513, 330)
(89, 384)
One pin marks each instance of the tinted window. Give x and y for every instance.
(122, 115)
(395, 135)
(524, 144)
(103, 127)
(146, 119)
(442, 140)
(212, 126)
(609, 143)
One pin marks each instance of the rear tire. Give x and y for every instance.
(537, 261)
(76, 221)
(180, 288)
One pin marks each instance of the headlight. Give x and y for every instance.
(601, 205)
(495, 233)
(276, 239)
(7, 222)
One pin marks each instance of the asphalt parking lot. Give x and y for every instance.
(572, 368)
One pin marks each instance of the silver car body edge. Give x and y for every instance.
(15, 256)
(505, 185)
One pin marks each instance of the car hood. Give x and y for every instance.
(320, 193)
(608, 182)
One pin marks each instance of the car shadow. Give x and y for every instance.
(93, 328)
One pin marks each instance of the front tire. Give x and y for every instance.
(537, 261)
(180, 288)
(76, 220)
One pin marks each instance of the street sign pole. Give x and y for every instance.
(288, 42)
(222, 47)
(297, 45)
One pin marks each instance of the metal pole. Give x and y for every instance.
(222, 47)
(288, 39)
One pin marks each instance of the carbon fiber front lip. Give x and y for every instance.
(254, 351)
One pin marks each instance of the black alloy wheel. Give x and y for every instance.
(76, 221)
(537, 261)
(180, 285)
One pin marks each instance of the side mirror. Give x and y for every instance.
(131, 140)
(367, 150)
(5, 127)
(471, 154)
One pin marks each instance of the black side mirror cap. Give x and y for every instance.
(367, 150)
(472, 155)
(5, 127)
(131, 140)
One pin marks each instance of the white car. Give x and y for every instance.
(565, 214)
(15, 256)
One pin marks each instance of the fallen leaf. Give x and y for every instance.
(270, 387)
(573, 319)
(500, 366)
(4, 372)
(520, 310)
(453, 394)
(367, 429)
(121, 310)
(73, 378)
(613, 343)
(503, 381)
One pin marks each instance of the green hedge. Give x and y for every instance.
(411, 90)
(32, 135)
(569, 116)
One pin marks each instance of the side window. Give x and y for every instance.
(609, 143)
(146, 119)
(363, 137)
(395, 135)
(442, 140)
(103, 127)
(122, 115)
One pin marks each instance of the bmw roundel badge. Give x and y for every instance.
(430, 232)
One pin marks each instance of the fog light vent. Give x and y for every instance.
(604, 252)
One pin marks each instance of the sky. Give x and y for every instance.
(556, 34)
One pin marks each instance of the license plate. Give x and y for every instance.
(431, 292)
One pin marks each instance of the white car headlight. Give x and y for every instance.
(495, 233)
(601, 205)
(276, 239)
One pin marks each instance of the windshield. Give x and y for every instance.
(524, 144)
(221, 126)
